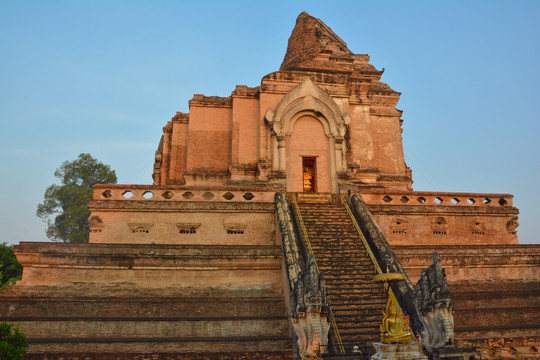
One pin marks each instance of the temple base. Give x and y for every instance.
(411, 351)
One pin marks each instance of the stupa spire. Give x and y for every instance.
(310, 39)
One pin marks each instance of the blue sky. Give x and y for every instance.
(104, 77)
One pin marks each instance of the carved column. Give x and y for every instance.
(339, 155)
(282, 153)
(275, 153)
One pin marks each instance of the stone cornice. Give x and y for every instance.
(212, 101)
(141, 205)
(440, 210)
(245, 91)
(181, 117)
(150, 250)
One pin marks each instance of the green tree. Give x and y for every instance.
(13, 344)
(10, 269)
(68, 203)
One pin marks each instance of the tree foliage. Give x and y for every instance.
(68, 202)
(10, 269)
(13, 343)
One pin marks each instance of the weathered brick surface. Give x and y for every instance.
(495, 289)
(149, 298)
(216, 293)
(228, 140)
(439, 218)
(267, 355)
(209, 138)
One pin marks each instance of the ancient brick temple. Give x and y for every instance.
(270, 213)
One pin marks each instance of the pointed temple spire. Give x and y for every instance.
(313, 46)
(309, 39)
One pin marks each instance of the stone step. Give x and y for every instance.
(340, 252)
(353, 259)
(358, 301)
(331, 231)
(351, 278)
(89, 318)
(362, 265)
(332, 241)
(353, 306)
(344, 244)
(254, 347)
(342, 307)
(359, 336)
(351, 282)
(360, 328)
(352, 303)
(355, 322)
(364, 327)
(175, 327)
(338, 305)
(356, 294)
(141, 307)
(364, 287)
(363, 276)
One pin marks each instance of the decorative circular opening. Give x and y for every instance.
(228, 196)
(167, 194)
(208, 195)
(187, 195)
(148, 195)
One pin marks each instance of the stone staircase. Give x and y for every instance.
(127, 325)
(123, 320)
(355, 300)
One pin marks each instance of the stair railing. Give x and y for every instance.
(344, 201)
(292, 199)
(296, 209)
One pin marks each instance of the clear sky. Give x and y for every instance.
(104, 77)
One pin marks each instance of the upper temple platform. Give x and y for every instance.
(325, 112)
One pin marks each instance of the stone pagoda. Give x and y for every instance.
(270, 213)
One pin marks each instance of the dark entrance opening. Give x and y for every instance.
(309, 166)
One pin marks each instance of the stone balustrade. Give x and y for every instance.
(169, 193)
(377, 197)
(428, 198)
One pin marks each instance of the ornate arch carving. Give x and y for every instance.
(308, 99)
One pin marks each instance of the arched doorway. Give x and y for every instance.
(308, 168)
(307, 124)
